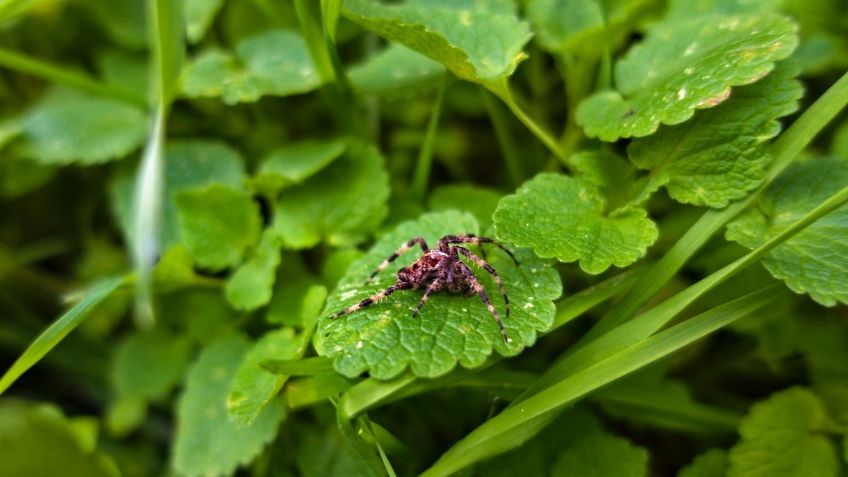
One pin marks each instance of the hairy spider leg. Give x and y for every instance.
(400, 251)
(371, 300)
(485, 266)
(435, 286)
(469, 275)
(468, 238)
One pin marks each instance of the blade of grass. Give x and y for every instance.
(317, 366)
(425, 156)
(499, 433)
(55, 74)
(60, 328)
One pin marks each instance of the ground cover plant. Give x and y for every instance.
(189, 190)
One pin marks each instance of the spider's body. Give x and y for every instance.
(437, 270)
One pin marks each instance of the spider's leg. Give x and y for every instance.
(469, 275)
(403, 248)
(435, 286)
(469, 238)
(485, 266)
(371, 300)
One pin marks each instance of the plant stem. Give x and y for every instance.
(505, 140)
(425, 155)
(55, 74)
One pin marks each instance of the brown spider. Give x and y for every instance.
(440, 269)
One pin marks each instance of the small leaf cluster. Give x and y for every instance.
(190, 190)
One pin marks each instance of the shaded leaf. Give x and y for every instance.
(718, 156)
(251, 285)
(684, 66)
(254, 387)
(217, 224)
(712, 463)
(566, 218)
(147, 365)
(339, 205)
(68, 127)
(36, 439)
(601, 454)
(396, 71)
(198, 17)
(294, 163)
(207, 442)
(815, 261)
(482, 45)
(275, 63)
(385, 338)
(479, 201)
(782, 436)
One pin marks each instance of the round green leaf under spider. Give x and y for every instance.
(385, 338)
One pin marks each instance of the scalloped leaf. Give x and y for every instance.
(253, 386)
(36, 439)
(718, 156)
(565, 218)
(712, 463)
(396, 71)
(784, 435)
(385, 338)
(69, 127)
(684, 66)
(815, 261)
(252, 284)
(217, 224)
(339, 205)
(294, 163)
(207, 442)
(480, 42)
(600, 454)
(275, 63)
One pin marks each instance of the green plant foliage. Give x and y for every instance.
(253, 386)
(783, 436)
(480, 202)
(295, 163)
(36, 439)
(384, 339)
(814, 261)
(338, 205)
(149, 364)
(684, 66)
(602, 454)
(719, 155)
(68, 127)
(251, 285)
(198, 16)
(482, 45)
(273, 63)
(207, 442)
(566, 218)
(396, 71)
(712, 463)
(218, 224)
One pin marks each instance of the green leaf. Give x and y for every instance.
(816, 260)
(396, 71)
(254, 387)
(824, 345)
(207, 442)
(479, 201)
(149, 364)
(385, 338)
(275, 63)
(601, 454)
(482, 45)
(67, 127)
(252, 283)
(217, 224)
(20, 176)
(719, 155)
(578, 26)
(683, 66)
(783, 436)
(36, 439)
(294, 163)
(198, 16)
(712, 463)
(566, 218)
(125, 22)
(60, 328)
(339, 205)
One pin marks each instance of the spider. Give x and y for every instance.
(437, 270)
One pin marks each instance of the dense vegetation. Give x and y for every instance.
(192, 187)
